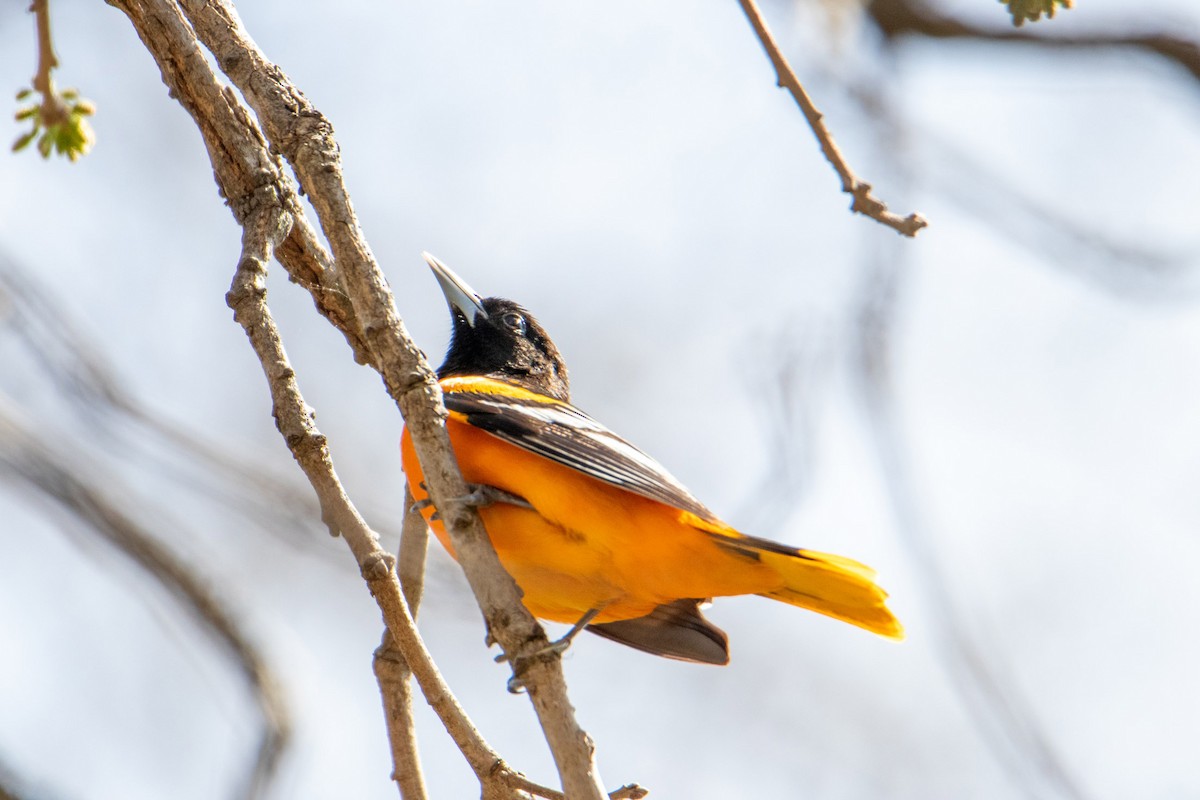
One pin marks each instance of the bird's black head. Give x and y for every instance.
(499, 339)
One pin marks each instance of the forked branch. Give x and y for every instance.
(392, 670)
(357, 300)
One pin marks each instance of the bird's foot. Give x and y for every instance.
(557, 647)
(479, 495)
(482, 495)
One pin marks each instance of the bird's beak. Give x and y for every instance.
(458, 294)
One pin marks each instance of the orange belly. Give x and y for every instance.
(587, 544)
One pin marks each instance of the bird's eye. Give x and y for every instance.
(514, 322)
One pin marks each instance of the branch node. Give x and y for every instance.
(378, 566)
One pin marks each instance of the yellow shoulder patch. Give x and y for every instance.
(476, 384)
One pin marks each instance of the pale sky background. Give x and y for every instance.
(629, 172)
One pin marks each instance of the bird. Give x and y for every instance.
(594, 531)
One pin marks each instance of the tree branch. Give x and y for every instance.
(395, 689)
(392, 670)
(864, 202)
(414, 547)
(294, 418)
(305, 137)
(251, 180)
(897, 18)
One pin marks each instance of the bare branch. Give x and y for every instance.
(395, 688)
(293, 417)
(54, 110)
(519, 784)
(392, 671)
(864, 201)
(414, 547)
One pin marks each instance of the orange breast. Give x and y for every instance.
(588, 544)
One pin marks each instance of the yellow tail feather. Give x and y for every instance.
(835, 586)
(832, 585)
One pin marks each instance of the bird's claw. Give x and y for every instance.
(481, 495)
(557, 647)
(516, 685)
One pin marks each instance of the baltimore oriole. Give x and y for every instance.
(593, 530)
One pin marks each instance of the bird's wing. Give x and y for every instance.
(562, 433)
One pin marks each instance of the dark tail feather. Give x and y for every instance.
(675, 630)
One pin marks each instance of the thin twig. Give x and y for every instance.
(414, 548)
(54, 110)
(864, 202)
(392, 670)
(522, 784)
(47, 61)
(395, 689)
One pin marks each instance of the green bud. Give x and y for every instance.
(23, 141)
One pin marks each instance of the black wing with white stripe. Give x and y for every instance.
(565, 434)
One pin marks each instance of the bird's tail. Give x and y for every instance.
(832, 585)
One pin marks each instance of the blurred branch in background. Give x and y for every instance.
(1133, 270)
(28, 457)
(97, 397)
(1005, 716)
(999, 709)
(790, 389)
(899, 18)
(14, 787)
(1011, 211)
